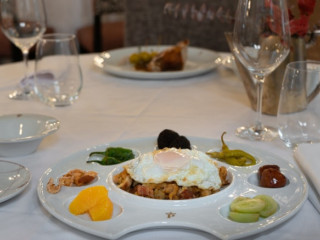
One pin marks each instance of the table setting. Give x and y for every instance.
(82, 105)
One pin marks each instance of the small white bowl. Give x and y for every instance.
(21, 134)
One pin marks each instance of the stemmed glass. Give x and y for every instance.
(23, 22)
(261, 40)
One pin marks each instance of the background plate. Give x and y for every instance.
(116, 62)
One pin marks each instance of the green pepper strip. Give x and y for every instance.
(215, 154)
(224, 146)
(103, 161)
(236, 161)
(238, 154)
(233, 156)
(106, 161)
(117, 157)
(96, 153)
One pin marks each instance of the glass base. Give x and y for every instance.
(59, 100)
(253, 134)
(20, 95)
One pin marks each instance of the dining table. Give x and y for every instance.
(112, 108)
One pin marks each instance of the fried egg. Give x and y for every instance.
(183, 166)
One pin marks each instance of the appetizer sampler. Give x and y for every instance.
(171, 59)
(173, 171)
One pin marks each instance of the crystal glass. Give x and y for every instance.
(299, 105)
(261, 40)
(23, 22)
(58, 76)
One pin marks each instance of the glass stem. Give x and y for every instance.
(25, 87)
(260, 82)
(25, 54)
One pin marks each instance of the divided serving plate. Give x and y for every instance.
(208, 214)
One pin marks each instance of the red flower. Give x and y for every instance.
(306, 7)
(299, 26)
(291, 16)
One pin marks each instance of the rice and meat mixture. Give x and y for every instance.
(166, 190)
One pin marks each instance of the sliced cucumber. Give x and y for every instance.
(243, 217)
(270, 207)
(235, 201)
(251, 205)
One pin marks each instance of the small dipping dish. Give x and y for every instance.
(21, 134)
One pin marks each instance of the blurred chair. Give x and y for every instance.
(107, 31)
(203, 22)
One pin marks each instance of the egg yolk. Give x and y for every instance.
(171, 160)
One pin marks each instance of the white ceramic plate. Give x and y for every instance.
(207, 214)
(116, 62)
(14, 178)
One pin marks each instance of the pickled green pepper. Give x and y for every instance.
(233, 157)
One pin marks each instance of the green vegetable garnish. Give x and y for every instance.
(233, 157)
(245, 210)
(141, 59)
(113, 155)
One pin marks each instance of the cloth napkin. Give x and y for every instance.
(308, 158)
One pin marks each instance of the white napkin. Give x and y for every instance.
(308, 158)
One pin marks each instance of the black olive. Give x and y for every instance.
(166, 137)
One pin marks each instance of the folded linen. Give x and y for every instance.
(308, 158)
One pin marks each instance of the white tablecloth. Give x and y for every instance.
(110, 109)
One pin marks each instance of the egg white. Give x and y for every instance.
(197, 169)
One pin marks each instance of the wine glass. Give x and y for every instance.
(261, 39)
(23, 22)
